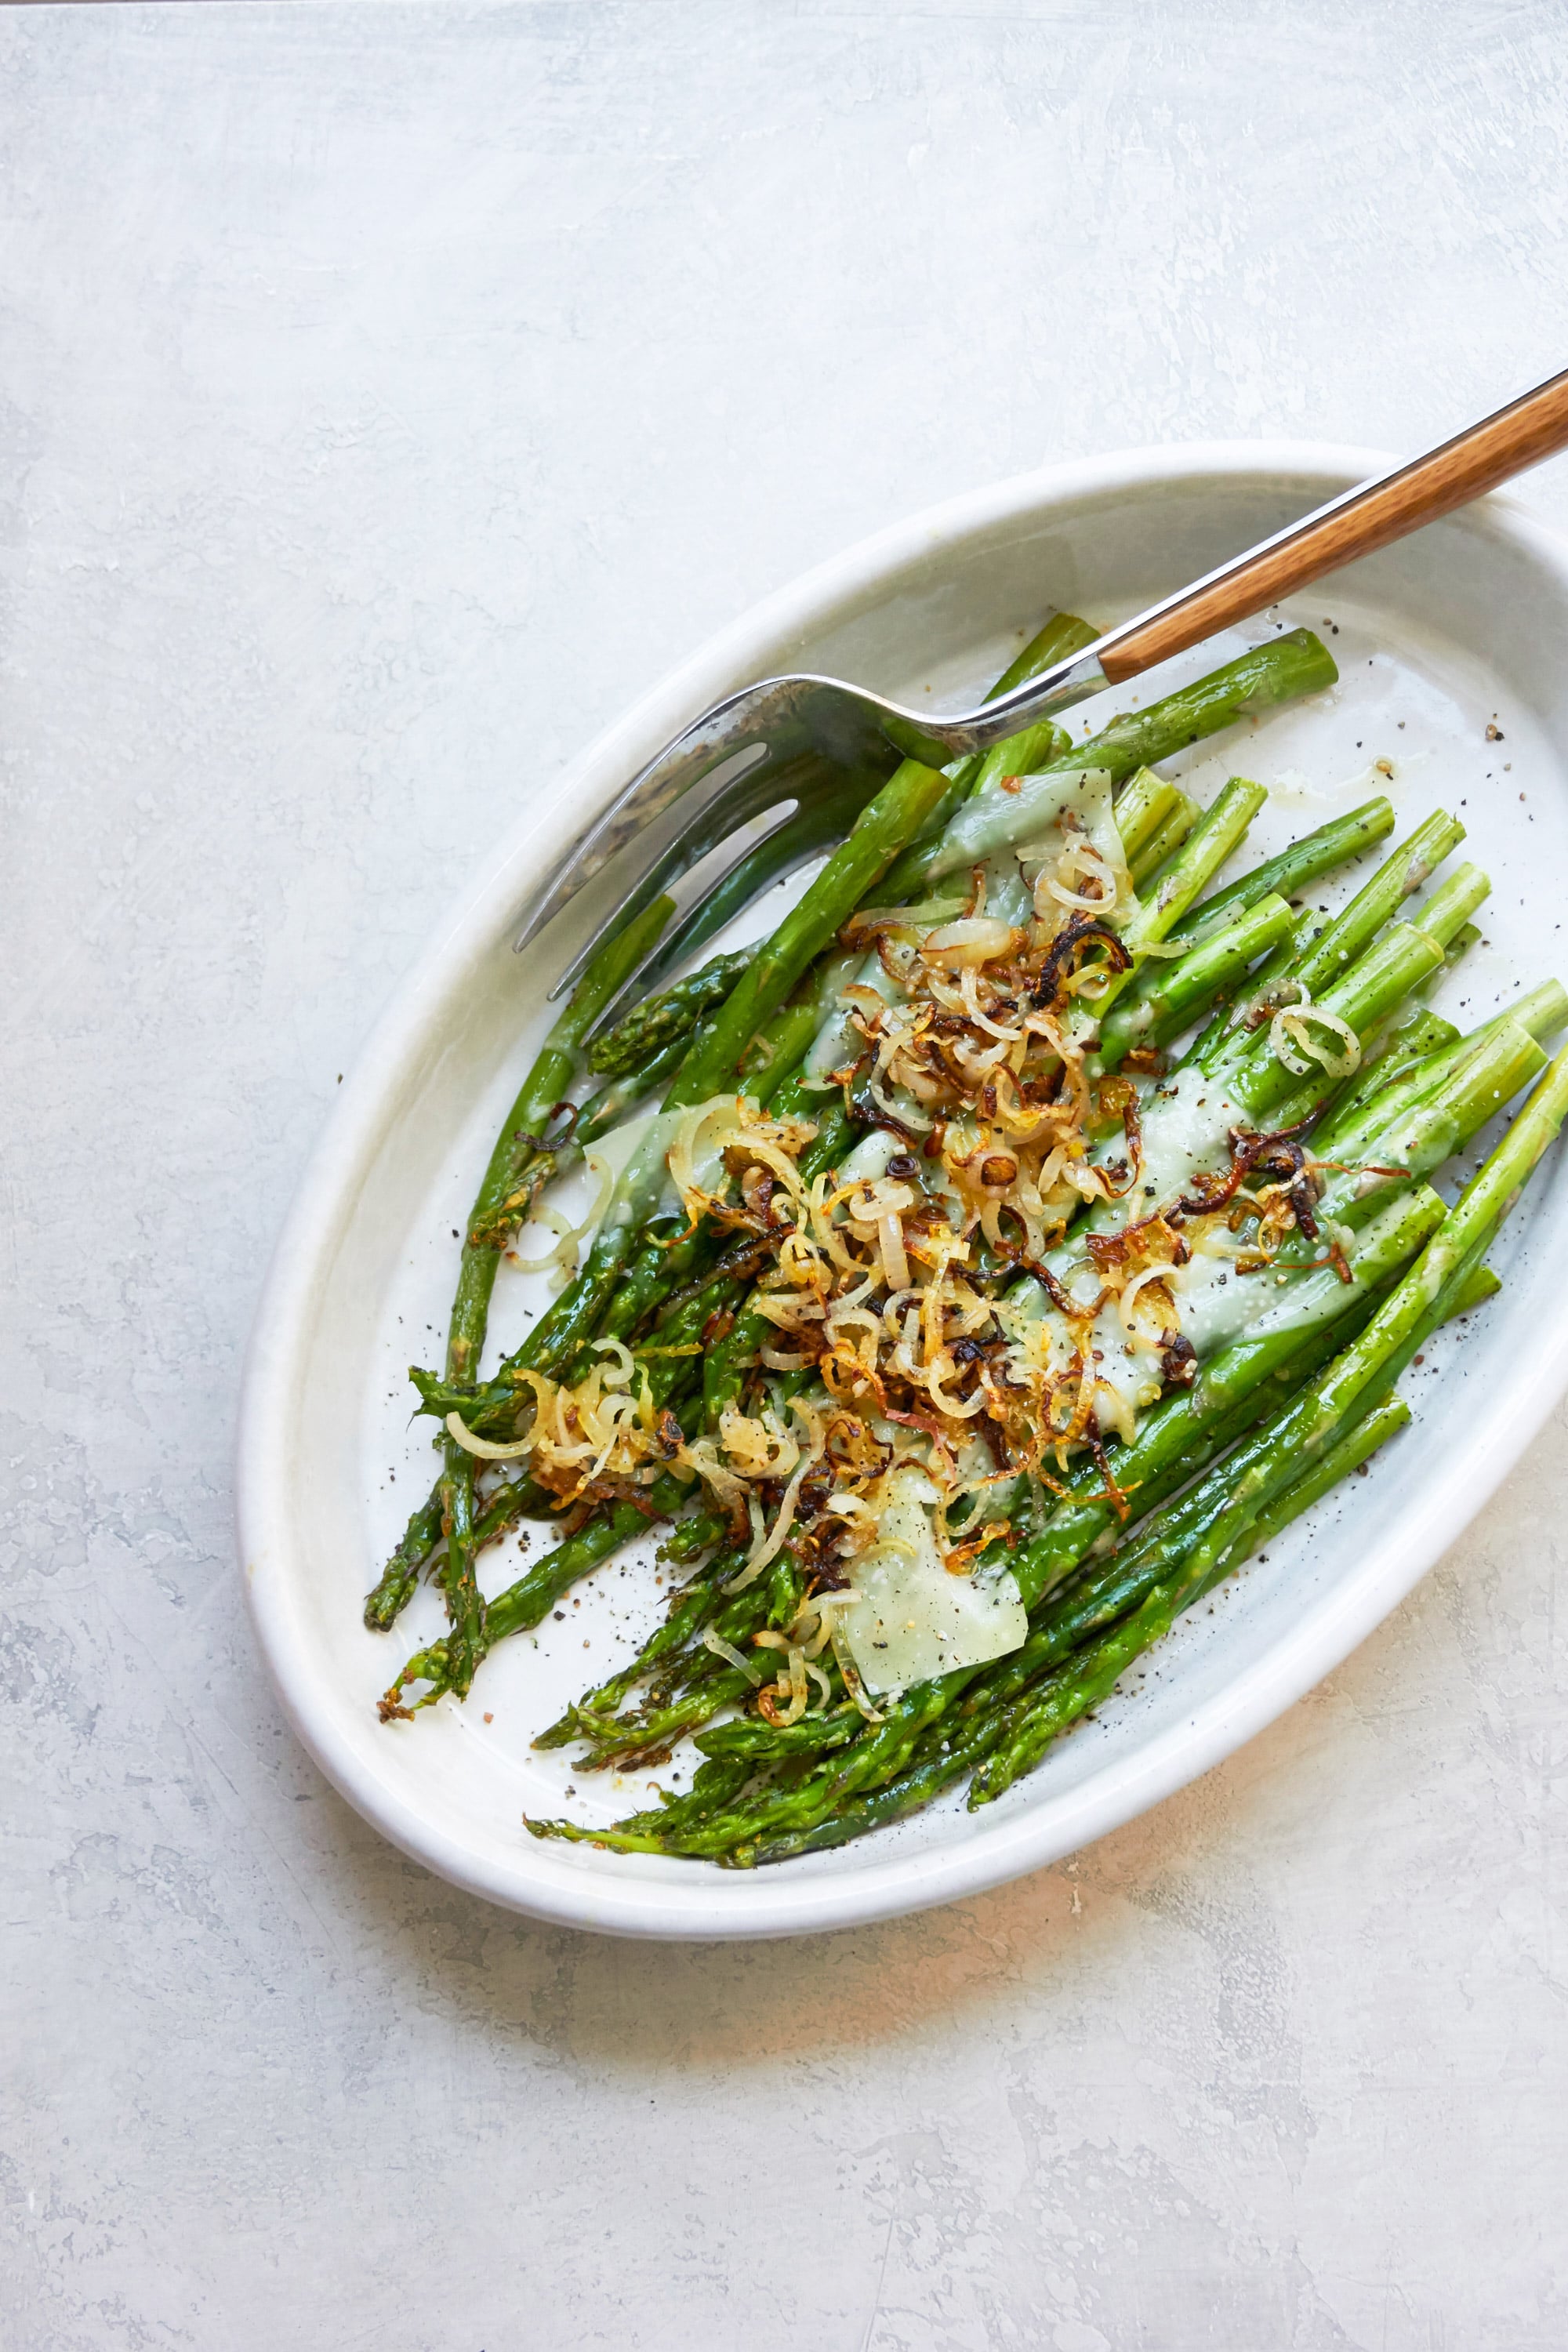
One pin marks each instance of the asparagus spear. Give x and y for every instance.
(885, 1749)
(1325, 950)
(1360, 1441)
(1145, 862)
(1395, 962)
(763, 1074)
(516, 1499)
(1373, 1360)
(553, 1071)
(1059, 636)
(1350, 1133)
(1186, 988)
(1295, 869)
(1420, 1136)
(880, 831)
(1220, 829)
(399, 1579)
(532, 1596)
(983, 1732)
(1350, 934)
(1175, 1434)
(1423, 1033)
(1015, 1740)
(1153, 818)
(459, 1580)
(1303, 862)
(1301, 1436)
(1092, 1673)
(1062, 635)
(1280, 671)
(656, 1022)
(685, 1699)
(555, 1068)
(689, 1610)
(1334, 949)
(1447, 911)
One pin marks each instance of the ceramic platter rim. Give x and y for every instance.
(884, 1876)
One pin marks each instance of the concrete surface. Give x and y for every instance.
(389, 392)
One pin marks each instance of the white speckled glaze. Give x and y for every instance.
(1435, 638)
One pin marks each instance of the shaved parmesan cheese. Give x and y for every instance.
(913, 1620)
(838, 1041)
(1185, 1124)
(995, 818)
(620, 1146)
(1006, 892)
(868, 1160)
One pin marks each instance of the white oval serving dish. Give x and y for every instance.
(1462, 625)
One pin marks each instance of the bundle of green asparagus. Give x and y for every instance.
(959, 1322)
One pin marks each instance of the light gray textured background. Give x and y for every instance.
(387, 393)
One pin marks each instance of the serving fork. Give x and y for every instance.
(774, 773)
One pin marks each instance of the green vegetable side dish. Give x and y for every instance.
(1003, 1252)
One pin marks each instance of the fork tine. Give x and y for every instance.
(695, 770)
(690, 893)
(820, 821)
(684, 837)
(645, 799)
(775, 721)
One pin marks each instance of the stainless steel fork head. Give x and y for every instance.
(783, 718)
(715, 769)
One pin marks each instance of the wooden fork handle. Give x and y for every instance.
(1364, 519)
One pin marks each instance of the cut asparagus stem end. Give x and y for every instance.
(1294, 869)
(1446, 912)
